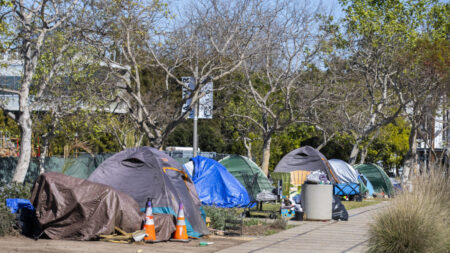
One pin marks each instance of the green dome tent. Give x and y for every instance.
(377, 177)
(247, 173)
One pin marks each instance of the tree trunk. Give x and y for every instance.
(354, 153)
(249, 152)
(25, 123)
(411, 157)
(363, 155)
(248, 147)
(266, 155)
(25, 144)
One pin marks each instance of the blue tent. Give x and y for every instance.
(367, 183)
(216, 186)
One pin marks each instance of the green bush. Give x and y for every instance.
(253, 222)
(8, 220)
(416, 221)
(219, 215)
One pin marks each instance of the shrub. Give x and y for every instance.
(416, 221)
(7, 219)
(219, 215)
(253, 222)
(279, 224)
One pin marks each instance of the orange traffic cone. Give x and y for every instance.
(149, 225)
(180, 234)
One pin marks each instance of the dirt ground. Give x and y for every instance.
(24, 244)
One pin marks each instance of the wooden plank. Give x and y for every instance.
(121, 231)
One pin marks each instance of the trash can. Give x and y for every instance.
(317, 201)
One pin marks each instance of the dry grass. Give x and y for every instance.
(416, 221)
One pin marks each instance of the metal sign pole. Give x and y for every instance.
(202, 109)
(195, 146)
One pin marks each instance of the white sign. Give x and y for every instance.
(186, 93)
(205, 102)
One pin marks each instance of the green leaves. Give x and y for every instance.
(386, 22)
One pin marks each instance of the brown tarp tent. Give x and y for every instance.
(77, 209)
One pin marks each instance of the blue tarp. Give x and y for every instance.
(368, 184)
(216, 186)
(16, 204)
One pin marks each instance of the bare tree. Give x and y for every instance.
(275, 79)
(207, 43)
(212, 41)
(32, 23)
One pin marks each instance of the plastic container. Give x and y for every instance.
(317, 201)
(206, 243)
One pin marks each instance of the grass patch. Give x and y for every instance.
(252, 226)
(357, 204)
(270, 232)
(417, 221)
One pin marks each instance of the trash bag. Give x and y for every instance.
(338, 212)
(28, 223)
(317, 177)
(265, 196)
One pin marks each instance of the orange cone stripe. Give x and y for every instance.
(149, 220)
(181, 222)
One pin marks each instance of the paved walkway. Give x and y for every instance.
(316, 236)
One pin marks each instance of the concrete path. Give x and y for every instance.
(323, 237)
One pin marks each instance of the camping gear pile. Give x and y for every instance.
(144, 194)
(139, 188)
(308, 165)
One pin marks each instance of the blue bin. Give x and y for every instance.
(346, 189)
(287, 213)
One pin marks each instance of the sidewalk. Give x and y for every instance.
(323, 237)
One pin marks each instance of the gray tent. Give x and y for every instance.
(344, 171)
(307, 159)
(146, 172)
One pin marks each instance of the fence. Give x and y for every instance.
(80, 167)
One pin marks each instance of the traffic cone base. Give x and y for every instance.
(180, 240)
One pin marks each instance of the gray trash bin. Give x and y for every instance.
(317, 201)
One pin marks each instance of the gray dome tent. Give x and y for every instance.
(146, 172)
(307, 159)
(344, 171)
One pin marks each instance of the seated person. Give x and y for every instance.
(286, 203)
(292, 203)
